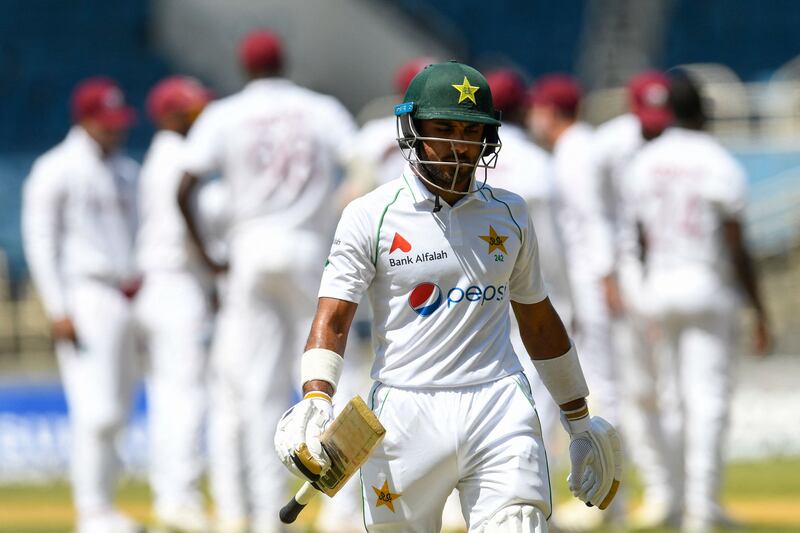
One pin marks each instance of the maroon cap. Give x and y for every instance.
(102, 100)
(180, 94)
(261, 50)
(407, 71)
(648, 94)
(508, 89)
(559, 90)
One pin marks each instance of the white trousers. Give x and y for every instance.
(594, 344)
(99, 376)
(634, 343)
(174, 320)
(485, 440)
(699, 382)
(261, 329)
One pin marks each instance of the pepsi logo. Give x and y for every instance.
(425, 298)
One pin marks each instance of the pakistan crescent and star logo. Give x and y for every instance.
(466, 91)
(385, 496)
(496, 242)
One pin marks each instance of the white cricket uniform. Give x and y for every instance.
(524, 168)
(685, 185)
(590, 257)
(277, 147)
(174, 319)
(374, 160)
(448, 386)
(616, 143)
(78, 225)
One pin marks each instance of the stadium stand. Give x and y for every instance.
(84, 38)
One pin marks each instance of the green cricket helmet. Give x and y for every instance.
(448, 91)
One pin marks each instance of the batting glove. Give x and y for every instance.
(297, 437)
(595, 453)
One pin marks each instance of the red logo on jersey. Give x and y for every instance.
(401, 243)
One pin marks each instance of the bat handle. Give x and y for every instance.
(291, 510)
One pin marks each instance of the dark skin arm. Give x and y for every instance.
(544, 336)
(64, 329)
(613, 295)
(329, 330)
(187, 187)
(746, 275)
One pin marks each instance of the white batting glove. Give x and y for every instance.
(297, 437)
(595, 452)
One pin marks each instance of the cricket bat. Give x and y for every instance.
(348, 441)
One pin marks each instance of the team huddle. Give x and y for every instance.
(512, 262)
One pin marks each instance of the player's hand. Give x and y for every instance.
(63, 329)
(762, 339)
(130, 288)
(297, 437)
(595, 452)
(613, 295)
(216, 267)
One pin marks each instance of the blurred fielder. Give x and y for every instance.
(615, 144)
(553, 120)
(173, 312)
(689, 195)
(78, 224)
(278, 147)
(442, 259)
(525, 170)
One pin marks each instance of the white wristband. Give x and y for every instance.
(563, 376)
(576, 421)
(321, 364)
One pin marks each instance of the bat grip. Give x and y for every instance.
(292, 510)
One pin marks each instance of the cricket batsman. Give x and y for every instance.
(441, 257)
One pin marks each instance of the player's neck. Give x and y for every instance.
(559, 128)
(452, 198)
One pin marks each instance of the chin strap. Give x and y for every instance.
(437, 205)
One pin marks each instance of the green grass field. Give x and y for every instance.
(764, 495)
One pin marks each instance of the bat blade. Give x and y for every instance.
(348, 441)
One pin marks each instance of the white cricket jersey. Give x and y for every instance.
(277, 146)
(586, 231)
(524, 169)
(685, 186)
(439, 283)
(615, 144)
(163, 241)
(78, 218)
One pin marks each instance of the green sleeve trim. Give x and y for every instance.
(380, 224)
(509, 213)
